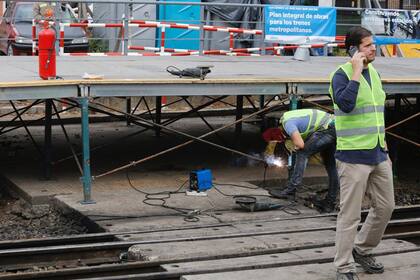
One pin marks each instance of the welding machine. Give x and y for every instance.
(200, 180)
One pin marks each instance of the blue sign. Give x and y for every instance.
(385, 40)
(300, 24)
(392, 26)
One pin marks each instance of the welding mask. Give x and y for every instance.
(273, 134)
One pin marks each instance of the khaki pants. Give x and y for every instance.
(356, 181)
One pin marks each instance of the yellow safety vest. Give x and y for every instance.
(317, 119)
(364, 126)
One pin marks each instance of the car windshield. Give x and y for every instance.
(24, 13)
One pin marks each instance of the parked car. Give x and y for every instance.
(16, 30)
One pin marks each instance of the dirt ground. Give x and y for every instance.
(19, 220)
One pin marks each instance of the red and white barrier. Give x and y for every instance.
(131, 54)
(157, 24)
(162, 51)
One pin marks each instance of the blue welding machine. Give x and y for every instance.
(200, 180)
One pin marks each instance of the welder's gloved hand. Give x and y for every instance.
(270, 148)
(290, 147)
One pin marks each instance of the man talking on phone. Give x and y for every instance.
(363, 164)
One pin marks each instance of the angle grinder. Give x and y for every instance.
(252, 204)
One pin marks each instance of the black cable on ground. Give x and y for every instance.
(189, 214)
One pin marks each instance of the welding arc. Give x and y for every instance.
(184, 134)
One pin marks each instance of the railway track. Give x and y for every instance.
(102, 255)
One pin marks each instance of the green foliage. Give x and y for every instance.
(339, 52)
(98, 45)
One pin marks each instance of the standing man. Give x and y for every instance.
(311, 131)
(363, 163)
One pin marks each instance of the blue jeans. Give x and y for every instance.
(324, 142)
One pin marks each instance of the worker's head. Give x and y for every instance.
(274, 134)
(273, 128)
(362, 39)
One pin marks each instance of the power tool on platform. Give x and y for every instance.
(253, 204)
(197, 72)
(200, 181)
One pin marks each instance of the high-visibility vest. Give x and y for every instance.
(317, 119)
(364, 126)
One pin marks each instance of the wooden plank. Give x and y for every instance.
(397, 266)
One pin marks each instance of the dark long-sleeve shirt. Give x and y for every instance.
(345, 95)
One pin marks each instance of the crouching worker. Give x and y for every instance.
(310, 131)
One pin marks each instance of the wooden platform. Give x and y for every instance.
(147, 76)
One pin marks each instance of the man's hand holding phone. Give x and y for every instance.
(357, 61)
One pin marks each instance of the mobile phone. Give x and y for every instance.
(352, 51)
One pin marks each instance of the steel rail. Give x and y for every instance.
(107, 252)
(402, 212)
(153, 270)
(11, 256)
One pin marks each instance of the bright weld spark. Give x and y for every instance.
(274, 161)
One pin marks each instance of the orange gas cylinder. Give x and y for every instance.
(46, 53)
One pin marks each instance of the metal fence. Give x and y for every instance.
(170, 26)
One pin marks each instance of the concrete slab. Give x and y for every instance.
(398, 266)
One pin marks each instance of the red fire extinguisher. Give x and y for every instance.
(46, 53)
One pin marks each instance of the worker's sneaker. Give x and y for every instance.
(287, 193)
(346, 276)
(368, 262)
(324, 205)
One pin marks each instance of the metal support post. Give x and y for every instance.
(125, 30)
(128, 109)
(293, 102)
(262, 41)
(47, 140)
(158, 119)
(262, 101)
(57, 11)
(201, 31)
(86, 179)
(239, 114)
